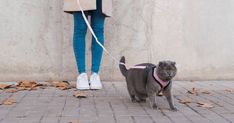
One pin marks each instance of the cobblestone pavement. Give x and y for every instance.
(112, 105)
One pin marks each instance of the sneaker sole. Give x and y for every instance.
(95, 88)
(83, 88)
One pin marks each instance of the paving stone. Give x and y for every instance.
(113, 105)
(124, 119)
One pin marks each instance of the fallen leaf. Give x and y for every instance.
(29, 85)
(21, 88)
(205, 92)
(73, 85)
(11, 91)
(4, 86)
(193, 91)
(43, 87)
(80, 95)
(64, 85)
(8, 102)
(185, 101)
(205, 105)
(229, 90)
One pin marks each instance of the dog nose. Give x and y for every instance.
(170, 75)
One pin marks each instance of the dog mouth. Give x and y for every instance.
(168, 78)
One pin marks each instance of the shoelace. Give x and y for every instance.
(95, 77)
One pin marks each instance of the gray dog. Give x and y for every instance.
(150, 81)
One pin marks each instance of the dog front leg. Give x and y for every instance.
(169, 97)
(152, 100)
(152, 97)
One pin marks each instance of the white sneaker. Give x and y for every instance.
(82, 82)
(95, 82)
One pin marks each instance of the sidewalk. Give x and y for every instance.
(112, 105)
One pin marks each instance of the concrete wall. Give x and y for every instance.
(36, 38)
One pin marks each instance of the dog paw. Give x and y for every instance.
(143, 100)
(134, 100)
(155, 107)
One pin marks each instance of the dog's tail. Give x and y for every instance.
(122, 67)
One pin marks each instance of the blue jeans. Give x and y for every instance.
(80, 29)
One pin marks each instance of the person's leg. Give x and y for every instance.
(80, 30)
(97, 23)
(79, 35)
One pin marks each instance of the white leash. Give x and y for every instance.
(96, 39)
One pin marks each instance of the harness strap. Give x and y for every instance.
(162, 83)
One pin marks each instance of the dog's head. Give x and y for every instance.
(166, 70)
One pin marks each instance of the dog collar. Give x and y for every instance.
(162, 83)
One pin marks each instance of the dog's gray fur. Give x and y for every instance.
(141, 84)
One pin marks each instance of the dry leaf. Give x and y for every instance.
(21, 88)
(205, 92)
(4, 86)
(193, 91)
(205, 105)
(29, 85)
(185, 101)
(73, 85)
(43, 87)
(11, 91)
(80, 95)
(64, 85)
(8, 102)
(229, 90)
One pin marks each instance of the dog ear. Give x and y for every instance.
(174, 63)
(161, 63)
